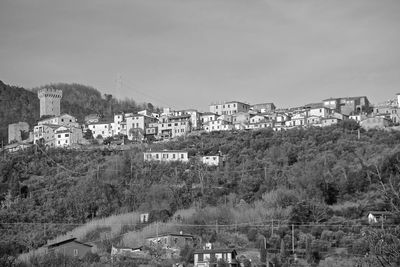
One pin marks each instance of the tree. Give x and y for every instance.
(88, 135)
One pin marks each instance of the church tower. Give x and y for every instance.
(49, 101)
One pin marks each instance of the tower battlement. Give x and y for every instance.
(50, 101)
(49, 92)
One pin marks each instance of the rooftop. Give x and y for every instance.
(72, 239)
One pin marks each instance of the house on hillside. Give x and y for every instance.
(166, 155)
(213, 160)
(70, 247)
(209, 257)
(171, 240)
(329, 121)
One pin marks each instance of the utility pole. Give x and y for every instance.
(294, 255)
(265, 173)
(266, 252)
(2, 149)
(272, 227)
(216, 226)
(157, 231)
(359, 134)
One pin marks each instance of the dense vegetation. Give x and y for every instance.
(18, 104)
(323, 181)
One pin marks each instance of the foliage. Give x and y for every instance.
(321, 180)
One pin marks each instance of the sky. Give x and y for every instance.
(191, 53)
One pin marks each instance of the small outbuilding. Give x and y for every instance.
(70, 247)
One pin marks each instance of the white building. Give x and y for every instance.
(44, 133)
(166, 155)
(229, 108)
(211, 160)
(67, 136)
(206, 117)
(102, 129)
(329, 121)
(218, 125)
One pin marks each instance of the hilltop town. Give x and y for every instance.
(238, 185)
(63, 130)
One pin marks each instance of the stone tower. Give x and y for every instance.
(49, 101)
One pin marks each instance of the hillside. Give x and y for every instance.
(323, 181)
(19, 104)
(16, 104)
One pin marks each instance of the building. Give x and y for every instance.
(314, 121)
(229, 108)
(16, 147)
(174, 126)
(319, 111)
(264, 107)
(50, 100)
(64, 119)
(166, 155)
(348, 105)
(171, 240)
(70, 247)
(217, 125)
(206, 117)
(44, 134)
(101, 128)
(209, 257)
(144, 217)
(358, 118)
(138, 121)
(67, 136)
(261, 124)
(211, 160)
(241, 118)
(16, 131)
(329, 121)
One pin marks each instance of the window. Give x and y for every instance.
(169, 124)
(182, 156)
(156, 156)
(176, 124)
(201, 257)
(59, 142)
(173, 156)
(75, 252)
(59, 136)
(66, 135)
(66, 141)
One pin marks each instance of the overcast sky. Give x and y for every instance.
(189, 53)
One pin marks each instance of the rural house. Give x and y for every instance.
(70, 247)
